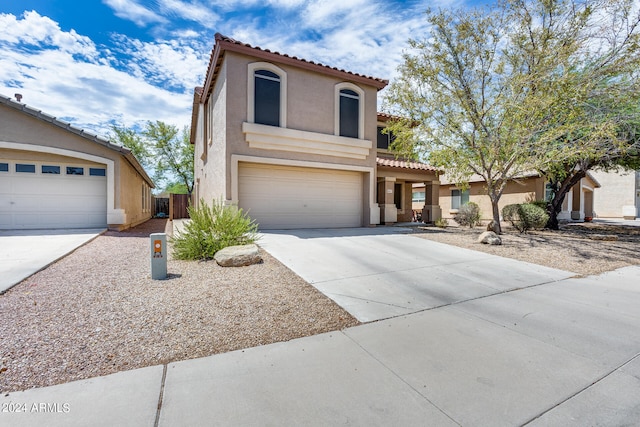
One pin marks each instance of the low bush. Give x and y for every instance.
(441, 223)
(468, 214)
(211, 228)
(525, 216)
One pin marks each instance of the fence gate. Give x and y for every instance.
(178, 204)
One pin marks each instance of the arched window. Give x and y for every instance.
(349, 111)
(266, 95)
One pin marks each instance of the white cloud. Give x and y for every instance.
(93, 89)
(34, 29)
(176, 62)
(190, 11)
(132, 11)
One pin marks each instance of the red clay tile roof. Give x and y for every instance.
(404, 164)
(224, 43)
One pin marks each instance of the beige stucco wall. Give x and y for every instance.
(529, 189)
(617, 189)
(131, 188)
(310, 107)
(18, 128)
(211, 170)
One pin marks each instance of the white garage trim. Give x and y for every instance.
(114, 216)
(374, 211)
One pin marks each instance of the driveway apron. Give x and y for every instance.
(25, 252)
(378, 273)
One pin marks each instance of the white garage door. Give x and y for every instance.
(280, 197)
(36, 195)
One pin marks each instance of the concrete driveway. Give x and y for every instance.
(25, 252)
(378, 273)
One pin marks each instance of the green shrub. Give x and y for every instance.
(525, 216)
(541, 203)
(212, 228)
(441, 223)
(468, 214)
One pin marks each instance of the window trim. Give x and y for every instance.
(336, 115)
(251, 90)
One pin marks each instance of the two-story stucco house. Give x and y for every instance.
(295, 143)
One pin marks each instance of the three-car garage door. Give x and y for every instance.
(283, 197)
(38, 195)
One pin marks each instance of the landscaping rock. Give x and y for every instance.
(489, 238)
(238, 256)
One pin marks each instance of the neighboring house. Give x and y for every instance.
(620, 195)
(53, 175)
(292, 142)
(578, 203)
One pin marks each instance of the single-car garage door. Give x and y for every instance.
(282, 197)
(39, 195)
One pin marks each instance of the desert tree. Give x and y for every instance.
(502, 91)
(163, 150)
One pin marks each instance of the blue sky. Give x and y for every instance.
(96, 62)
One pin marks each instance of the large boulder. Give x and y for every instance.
(238, 256)
(489, 238)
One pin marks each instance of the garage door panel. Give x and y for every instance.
(293, 197)
(36, 200)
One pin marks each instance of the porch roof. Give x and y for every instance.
(405, 164)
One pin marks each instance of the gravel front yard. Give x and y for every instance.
(97, 312)
(579, 248)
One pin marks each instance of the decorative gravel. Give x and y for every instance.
(97, 312)
(585, 249)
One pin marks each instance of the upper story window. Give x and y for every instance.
(267, 98)
(349, 113)
(349, 110)
(384, 139)
(267, 95)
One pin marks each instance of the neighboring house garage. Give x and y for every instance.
(294, 197)
(56, 193)
(53, 175)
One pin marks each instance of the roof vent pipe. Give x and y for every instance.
(18, 97)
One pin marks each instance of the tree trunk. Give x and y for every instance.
(555, 207)
(496, 214)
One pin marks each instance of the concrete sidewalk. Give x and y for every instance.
(565, 353)
(25, 252)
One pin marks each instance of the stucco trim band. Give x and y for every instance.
(299, 141)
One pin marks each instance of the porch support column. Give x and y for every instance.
(576, 212)
(431, 211)
(388, 210)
